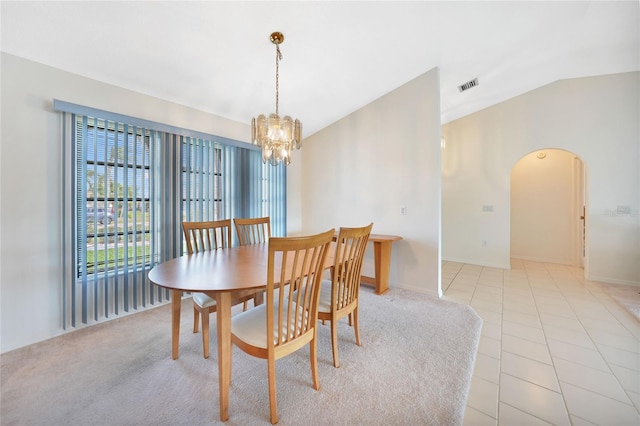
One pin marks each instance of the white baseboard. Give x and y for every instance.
(416, 289)
(479, 263)
(544, 260)
(608, 280)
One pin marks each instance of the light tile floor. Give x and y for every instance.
(555, 348)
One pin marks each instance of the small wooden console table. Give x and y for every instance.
(382, 258)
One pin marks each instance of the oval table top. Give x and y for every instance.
(221, 270)
(224, 269)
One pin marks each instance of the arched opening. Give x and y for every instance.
(548, 192)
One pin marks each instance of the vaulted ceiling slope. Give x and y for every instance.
(337, 56)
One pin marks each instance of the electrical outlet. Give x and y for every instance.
(487, 208)
(484, 243)
(403, 210)
(623, 210)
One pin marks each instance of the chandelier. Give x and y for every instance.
(277, 136)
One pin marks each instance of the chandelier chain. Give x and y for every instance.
(278, 58)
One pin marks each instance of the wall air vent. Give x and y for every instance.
(468, 85)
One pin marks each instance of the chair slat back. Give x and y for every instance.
(203, 236)
(350, 247)
(298, 262)
(253, 230)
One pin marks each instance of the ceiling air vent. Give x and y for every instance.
(468, 85)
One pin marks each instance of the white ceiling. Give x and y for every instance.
(338, 56)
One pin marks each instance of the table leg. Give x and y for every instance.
(223, 320)
(259, 298)
(382, 259)
(176, 302)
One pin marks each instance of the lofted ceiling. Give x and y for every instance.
(337, 56)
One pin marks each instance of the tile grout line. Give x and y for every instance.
(540, 287)
(608, 364)
(546, 340)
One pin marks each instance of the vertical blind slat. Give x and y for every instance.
(125, 225)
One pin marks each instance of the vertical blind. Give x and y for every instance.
(129, 184)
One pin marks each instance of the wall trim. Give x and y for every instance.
(544, 260)
(608, 280)
(478, 263)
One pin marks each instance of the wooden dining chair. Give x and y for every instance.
(339, 295)
(253, 230)
(286, 322)
(203, 236)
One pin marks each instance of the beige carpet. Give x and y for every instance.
(414, 367)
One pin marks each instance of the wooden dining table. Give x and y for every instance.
(219, 274)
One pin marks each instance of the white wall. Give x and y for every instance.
(543, 213)
(596, 118)
(362, 168)
(31, 184)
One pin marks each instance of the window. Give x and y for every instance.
(129, 184)
(201, 180)
(112, 196)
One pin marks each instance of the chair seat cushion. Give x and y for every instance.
(203, 300)
(251, 326)
(324, 305)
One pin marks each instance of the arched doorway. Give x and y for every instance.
(547, 208)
